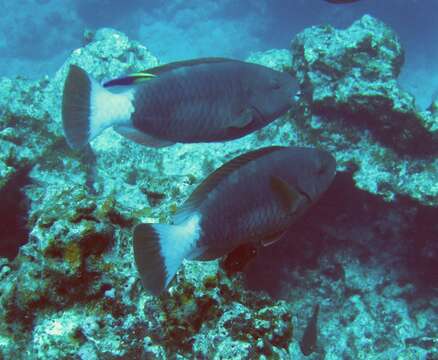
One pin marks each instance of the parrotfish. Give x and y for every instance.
(341, 1)
(309, 340)
(202, 100)
(252, 199)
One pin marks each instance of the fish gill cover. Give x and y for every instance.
(366, 253)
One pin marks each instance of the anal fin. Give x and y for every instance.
(141, 138)
(208, 253)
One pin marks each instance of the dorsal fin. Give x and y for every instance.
(141, 76)
(185, 63)
(216, 177)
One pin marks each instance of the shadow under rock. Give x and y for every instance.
(344, 209)
(13, 214)
(403, 133)
(422, 258)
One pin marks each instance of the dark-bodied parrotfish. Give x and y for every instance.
(203, 100)
(341, 1)
(253, 199)
(309, 340)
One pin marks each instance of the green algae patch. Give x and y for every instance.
(72, 254)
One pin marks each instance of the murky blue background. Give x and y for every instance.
(37, 35)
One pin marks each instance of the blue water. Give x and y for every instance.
(37, 35)
(374, 270)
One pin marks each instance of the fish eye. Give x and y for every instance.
(275, 84)
(322, 169)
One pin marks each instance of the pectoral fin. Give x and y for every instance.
(243, 118)
(288, 196)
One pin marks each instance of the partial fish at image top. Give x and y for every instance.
(203, 100)
(341, 1)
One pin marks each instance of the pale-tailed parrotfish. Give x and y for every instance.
(202, 100)
(253, 198)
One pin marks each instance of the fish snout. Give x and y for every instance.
(291, 88)
(321, 174)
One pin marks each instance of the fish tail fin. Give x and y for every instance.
(159, 251)
(88, 108)
(76, 107)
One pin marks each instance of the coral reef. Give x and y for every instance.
(208, 315)
(74, 284)
(359, 257)
(352, 105)
(353, 73)
(73, 291)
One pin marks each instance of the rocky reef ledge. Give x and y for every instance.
(72, 291)
(353, 104)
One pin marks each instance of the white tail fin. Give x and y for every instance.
(160, 249)
(88, 108)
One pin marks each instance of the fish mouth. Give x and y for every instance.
(294, 97)
(306, 195)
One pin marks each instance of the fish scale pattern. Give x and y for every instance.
(210, 101)
(257, 215)
(260, 222)
(187, 107)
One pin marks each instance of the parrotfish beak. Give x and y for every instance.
(296, 96)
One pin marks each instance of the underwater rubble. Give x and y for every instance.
(367, 253)
(349, 84)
